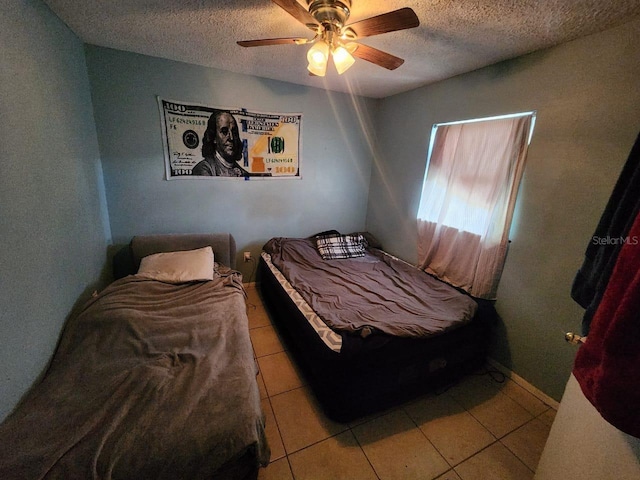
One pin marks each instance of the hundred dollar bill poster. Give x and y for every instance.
(203, 142)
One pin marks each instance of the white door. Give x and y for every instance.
(584, 446)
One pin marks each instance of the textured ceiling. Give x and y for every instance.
(454, 36)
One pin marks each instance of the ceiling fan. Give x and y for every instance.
(327, 19)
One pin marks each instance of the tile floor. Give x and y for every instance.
(477, 429)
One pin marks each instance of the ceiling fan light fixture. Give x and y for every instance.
(318, 56)
(327, 19)
(342, 59)
(350, 47)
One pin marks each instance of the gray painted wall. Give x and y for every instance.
(335, 157)
(588, 103)
(53, 211)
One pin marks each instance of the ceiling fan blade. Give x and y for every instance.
(272, 41)
(297, 11)
(380, 58)
(387, 22)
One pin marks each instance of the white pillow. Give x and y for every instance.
(178, 267)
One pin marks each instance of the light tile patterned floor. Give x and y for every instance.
(477, 429)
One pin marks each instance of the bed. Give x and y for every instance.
(152, 379)
(368, 330)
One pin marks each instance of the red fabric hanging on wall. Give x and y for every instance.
(607, 366)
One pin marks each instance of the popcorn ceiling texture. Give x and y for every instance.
(454, 36)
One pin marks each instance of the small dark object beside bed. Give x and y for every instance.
(396, 331)
(151, 380)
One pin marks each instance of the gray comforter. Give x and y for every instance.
(374, 292)
(150, 380)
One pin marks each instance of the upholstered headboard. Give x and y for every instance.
(127, 260)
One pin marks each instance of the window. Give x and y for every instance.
(473, 174)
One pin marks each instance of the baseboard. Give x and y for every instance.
(540, 395)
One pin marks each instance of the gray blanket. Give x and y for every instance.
(150, 381)
(374, 292)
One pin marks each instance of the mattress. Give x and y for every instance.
(363, 368)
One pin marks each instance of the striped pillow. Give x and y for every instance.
(334, 246)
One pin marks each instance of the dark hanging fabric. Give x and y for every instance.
(610, 235)
(607, 366)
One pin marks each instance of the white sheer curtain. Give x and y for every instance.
(468, 199)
